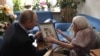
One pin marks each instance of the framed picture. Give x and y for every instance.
(48, 29)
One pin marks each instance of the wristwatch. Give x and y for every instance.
(30, 34)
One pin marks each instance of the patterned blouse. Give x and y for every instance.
(83, 42)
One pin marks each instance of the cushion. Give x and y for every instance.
(35, 29)
(94, 22)
(62, 26)
(61, 38)
(17, 13)
(42, 16)
(48, 20)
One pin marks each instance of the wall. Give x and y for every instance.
(90, 7)
(2, 2)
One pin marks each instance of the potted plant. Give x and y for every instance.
(5, 18)
(16, 5)
(68, 9)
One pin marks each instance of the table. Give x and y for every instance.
(95, 52)
(51, 53)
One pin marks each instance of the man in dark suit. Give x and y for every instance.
(16, 40)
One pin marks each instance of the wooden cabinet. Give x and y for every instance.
(57, 16)
(67, 14)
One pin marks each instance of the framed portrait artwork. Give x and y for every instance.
(48, 29)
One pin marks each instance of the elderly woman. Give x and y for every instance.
(81, 42)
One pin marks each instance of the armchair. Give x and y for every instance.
(42, 16)
(94, 22)
(63, 27)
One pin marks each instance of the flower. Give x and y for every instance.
(6, 17)
(42, 4)
(5, 9)
(69, 3)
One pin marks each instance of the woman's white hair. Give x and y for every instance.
(80, 22)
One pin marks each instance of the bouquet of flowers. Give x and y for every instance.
(6, 17)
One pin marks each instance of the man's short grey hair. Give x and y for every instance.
(81, 22)
(26, 15)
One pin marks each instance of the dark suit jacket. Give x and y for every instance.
(17, 43)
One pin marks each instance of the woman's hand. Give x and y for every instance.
(50, 39)
(59, 31)
(49, 45)
(38, 34)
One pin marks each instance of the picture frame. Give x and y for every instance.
(48, 29)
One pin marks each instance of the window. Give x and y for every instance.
(44, 5)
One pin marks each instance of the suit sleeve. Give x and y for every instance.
(32, 51)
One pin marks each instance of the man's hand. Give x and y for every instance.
(38, 34)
